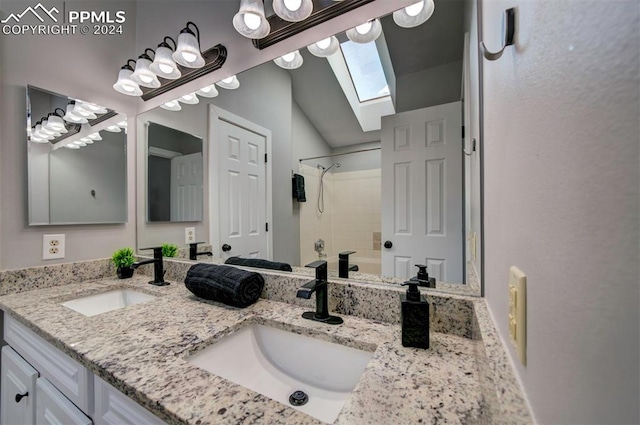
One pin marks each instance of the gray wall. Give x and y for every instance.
(358, 161)
(562, 202)
(87, 71)
(434, 86)
(74, 173)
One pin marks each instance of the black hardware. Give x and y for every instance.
(188, 30)
(388, 244)
(319, 286)
(158, 272)
(463, 131)
(343, 264)
(193, 251)
(509, 35)
(266, 227)
(21, 396)
(265, 158)
(298, 398)
(422, 278)
(226, 248)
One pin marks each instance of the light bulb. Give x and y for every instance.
(364, 28)
(170, 104)
(323, 44)
(165, 68)
(189, 57)
(126, 87)
(292, 5)
(228, 80)
(206, 89)
(251, 20)
(145, 78)
(414, 9)
(187, 97)
(289, 57)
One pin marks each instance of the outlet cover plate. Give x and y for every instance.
(52, 247)
(518, 312)
(189, 235)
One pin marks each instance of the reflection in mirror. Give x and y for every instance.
(382, 166)
(76, 161)
(174, 175)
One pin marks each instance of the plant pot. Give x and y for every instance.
(124, 272)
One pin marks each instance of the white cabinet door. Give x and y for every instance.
(114, 408)
(53, 408)
(18, 389)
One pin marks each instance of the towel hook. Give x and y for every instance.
(509, 35)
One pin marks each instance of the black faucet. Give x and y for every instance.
(343, 264)
(193, 251)
(158, 272)
(319, 286)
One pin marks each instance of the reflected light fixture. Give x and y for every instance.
(95, 136)
(142, 75)
(96, 109)
(325, 47)
(113, 129)
(250, 20)
(365, 33)
(82, 110)
(291, 60)
(79, 143)
(208, 91)
(188, 52)
(172, 105)
(229, 83)
(189, 99)
(415, 14)
(86, 141)
(72, 146)
(125, 84)
(163, 64)
(71, 116)
(293, 10)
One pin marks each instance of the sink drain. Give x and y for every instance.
(298, 398)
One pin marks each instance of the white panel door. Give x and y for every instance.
(53, 408)
(18, 389)
(242, 202)
(422, 192)
(186, 187)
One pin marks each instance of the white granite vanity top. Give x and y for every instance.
(141, 349)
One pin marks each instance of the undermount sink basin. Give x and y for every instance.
(107, 301)
(276, 363)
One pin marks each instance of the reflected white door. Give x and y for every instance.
(422, 209)
(242, 200)
(186, 187)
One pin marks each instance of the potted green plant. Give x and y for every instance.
(169, 250)
(123, 259)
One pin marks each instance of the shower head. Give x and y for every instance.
(335, 164)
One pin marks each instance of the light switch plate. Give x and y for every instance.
(189, 235)
(52, 247)
(518, 312)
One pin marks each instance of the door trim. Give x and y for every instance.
(216, 115)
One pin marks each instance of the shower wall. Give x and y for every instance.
(351, 221)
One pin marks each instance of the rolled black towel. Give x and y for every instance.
(261, 264)
(228, 285)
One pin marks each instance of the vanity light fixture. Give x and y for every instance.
(86, 141)
(122, 124)
(96, 109)
(79, 143)
(125, 84)
(56, 123)
(365, 33)
(82, 110)
(95, 136)
(188, 52)
(324, 48)
(142, 75)
(163, 64)
(71, 116)
(229, 83)
(415, 14)
(189, 99)
(291, 60)
(72, 146)
(113, 129)
(250, 20)
(172, 105)
(293, 10)
(208, 91)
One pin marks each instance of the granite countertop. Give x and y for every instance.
(141, 349)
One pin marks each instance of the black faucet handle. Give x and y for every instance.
(317, 264)
(345, 254)
(196, 243)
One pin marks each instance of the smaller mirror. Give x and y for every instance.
(174, 175)
(77, 161)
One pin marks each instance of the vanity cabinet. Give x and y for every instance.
(58, 389)
(17, 389)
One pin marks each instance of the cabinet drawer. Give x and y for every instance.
(114, 408)
(66, 374)
(18, 389)
(53, 408)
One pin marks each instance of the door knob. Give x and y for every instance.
(226, 248)
(388, 244)
(20, 396)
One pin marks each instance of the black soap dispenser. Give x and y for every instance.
(423, 277)
(414, 316)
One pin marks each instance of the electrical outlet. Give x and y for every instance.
(189, 235)
(518, 312)
(52, 247)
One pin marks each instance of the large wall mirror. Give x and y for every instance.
(77, 172)
(375, 133)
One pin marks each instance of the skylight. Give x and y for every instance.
(366, 71)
